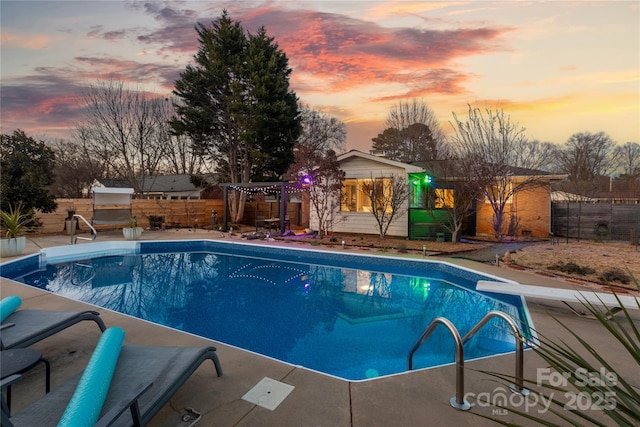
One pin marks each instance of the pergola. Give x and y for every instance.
(253, 187)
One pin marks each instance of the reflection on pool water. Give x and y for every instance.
(348, 315)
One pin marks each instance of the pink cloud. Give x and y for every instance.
(32, 41)
(341, 52)
(328, 53)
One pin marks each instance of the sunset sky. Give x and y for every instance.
(556, 67)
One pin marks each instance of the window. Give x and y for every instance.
(444, 198)
(426, 197)
(384, 194)
(418, 195)
(349, 195)
(500, 192)
(355, 199)
(364, 202)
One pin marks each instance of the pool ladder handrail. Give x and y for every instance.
(458, 401)
(72, 230)
(73, 273)
(518, 387)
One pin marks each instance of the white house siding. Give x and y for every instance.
(365, 223)
(361, 166)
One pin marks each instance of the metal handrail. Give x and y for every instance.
(519, 380)
(458, 400)
(72, 231)
(73, 273)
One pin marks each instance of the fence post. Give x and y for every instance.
(567, 233)
(579, 220)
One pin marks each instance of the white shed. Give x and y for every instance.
(111, 205)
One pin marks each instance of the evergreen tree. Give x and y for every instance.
(27, 170)
(237, 107)
(412, 134)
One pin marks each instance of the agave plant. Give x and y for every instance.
(590, 375)
(14, 221)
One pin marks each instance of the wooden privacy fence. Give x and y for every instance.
(175, 213)
(597, 221)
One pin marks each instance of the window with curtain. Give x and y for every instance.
(431, 198)
(355, 199)
(444, 198)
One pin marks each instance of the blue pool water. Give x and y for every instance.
(348, 315)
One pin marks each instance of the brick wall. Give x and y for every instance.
(532, 207)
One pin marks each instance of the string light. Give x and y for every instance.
(270, 189)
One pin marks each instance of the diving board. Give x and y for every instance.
(545, 294)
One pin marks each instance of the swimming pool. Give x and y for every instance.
(345, 314)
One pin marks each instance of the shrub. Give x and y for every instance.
(572, 268)
(615, 275)
(14, 221)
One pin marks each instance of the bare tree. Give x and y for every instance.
(76, 168)
(179, 154)
(585, 158)
(316, 166)
(586, 155)
(320, 131)
(628, 158)
(412, 134)
(455, 195)
(126, 128)
(325, 184)
(498, 158)
(389, 199)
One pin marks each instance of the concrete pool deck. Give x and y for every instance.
(418, 398)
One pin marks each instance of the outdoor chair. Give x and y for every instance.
(22, 328)
(260, 224)
(120, 386)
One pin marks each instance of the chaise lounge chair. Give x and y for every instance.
(140, 378)
(23, 328)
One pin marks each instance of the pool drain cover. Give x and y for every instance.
(268, 393)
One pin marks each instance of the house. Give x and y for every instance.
(529, 209)
(355, 208)
(175, 187)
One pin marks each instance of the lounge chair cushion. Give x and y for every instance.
(31, 326)
(8, 305)
(91, 391)
(168, 368)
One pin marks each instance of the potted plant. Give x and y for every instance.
(71, 211)
(70, 221)
(132, 231)
(13, 223)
